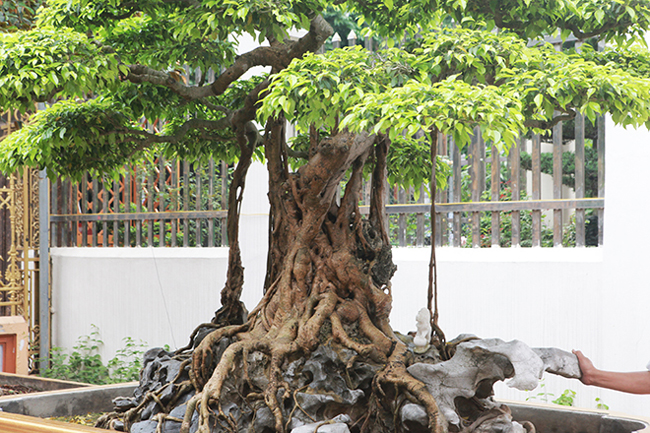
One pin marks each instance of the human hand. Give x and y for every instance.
(586, 367)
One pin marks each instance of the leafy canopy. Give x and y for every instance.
(446, 66)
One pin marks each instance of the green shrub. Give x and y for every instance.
(85, 364)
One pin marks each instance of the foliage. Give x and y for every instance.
(600, 404)
(127, 57)
(85, 365)
(89, 419)
(566, 399)
(568, 168)
(17, 14)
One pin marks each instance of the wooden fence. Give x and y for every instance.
(167, 203)
(485, 203)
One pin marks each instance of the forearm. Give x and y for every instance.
(634, 382)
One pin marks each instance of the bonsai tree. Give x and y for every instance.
(456, 67)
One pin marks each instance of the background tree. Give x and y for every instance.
(102, 66)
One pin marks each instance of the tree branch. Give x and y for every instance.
(548, 124)
(278, 57)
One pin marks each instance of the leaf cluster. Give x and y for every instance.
(45, 64)
(84, 364)
(17, 14)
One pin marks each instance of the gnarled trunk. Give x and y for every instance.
(329, 273)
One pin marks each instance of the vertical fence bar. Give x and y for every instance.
(62, 228)
(419, 228)
(401, 220)
(475, 170)
(442, 196)
(137, 197)
(456, 193)
(198, 204)
(73, 209)
(186, 201)
(580, 178)
(536, 154)
(174, 200)
(162, 178)
(495, 189)
(601, 175)
(515, 182)
(151, 191)
(116, 209)
(210, 197)
(95, 210)
(557, 183)
(127, 206)
(84, 208)
(224, 202)
(54, 201)
(105, 211)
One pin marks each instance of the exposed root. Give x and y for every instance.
(395, 373)
(298, 406)
(203, 356)
(161, 418)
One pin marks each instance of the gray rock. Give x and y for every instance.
(179, 412)
(122, 404)
(560, 362)
(148, 426)
(478, 364)
(414, 418)
(264, 419)
(338, 424)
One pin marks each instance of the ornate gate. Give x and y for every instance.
(19, 245)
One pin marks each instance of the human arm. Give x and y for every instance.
(637, 382)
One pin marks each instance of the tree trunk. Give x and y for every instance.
(329, 272)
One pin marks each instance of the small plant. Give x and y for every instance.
(542, 395)
(85, 364)
(566, 399)
(600, 404)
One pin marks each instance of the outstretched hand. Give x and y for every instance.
(586, 367)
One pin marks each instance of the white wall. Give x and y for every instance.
(535, 295)
(596, 300)
(158, 295)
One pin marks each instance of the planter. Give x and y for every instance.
(89, 398)
(38, 383)
(80, 400)
(549, 418)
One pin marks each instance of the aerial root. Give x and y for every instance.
(202, 357)
(395, 373)
(365, 350)
(161, 418)
(189, 412)
(297, 406)
(193, 335)
(287, 334)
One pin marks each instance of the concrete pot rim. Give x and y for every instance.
(35, 382)
(607, 413)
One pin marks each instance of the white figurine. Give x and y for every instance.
(423, 334)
